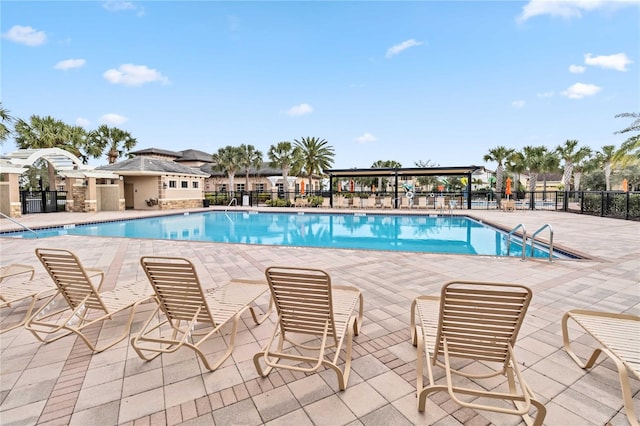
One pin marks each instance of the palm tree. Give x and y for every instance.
(42, 133)
(533, 158)
(515, 164)
(229, 160)
(316, 156)
(499, 154)
(384, 164)
(549, 163)
(567, 153)
(116, 141)
(630, 149)
(581, 165)
(249, 157)
(5, 121)
(605, 156)
(79, 145)
(284, 156)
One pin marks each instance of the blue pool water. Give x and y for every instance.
(425, 234)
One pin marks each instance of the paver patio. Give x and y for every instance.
(63, 383)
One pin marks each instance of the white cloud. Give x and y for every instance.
(394, 50)
(617, 62)
(67, 64)
(122, 6)
(568, 9)
(518, 104)
(113, 119)
(546, 94)
(83, 122)
(580, 90)
(365, 138)
(577, 69)
(301, 109)
(25, 35)
(134, 75)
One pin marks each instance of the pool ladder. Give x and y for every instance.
(234, 200)
(533, 240)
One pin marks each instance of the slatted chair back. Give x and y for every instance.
(177, 288)
(303, 300)
(71, 278)
(481, 320)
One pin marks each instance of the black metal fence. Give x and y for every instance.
(614, 204)
(43, 201)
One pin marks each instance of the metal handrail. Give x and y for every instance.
(19, 224)
(524, 240)
(533, 240)
(233, 200)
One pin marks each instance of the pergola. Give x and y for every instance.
(466, 171)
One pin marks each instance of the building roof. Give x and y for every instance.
(194, 155)
(412, 171)
(265, 170)
(157, 151)
(151, 166)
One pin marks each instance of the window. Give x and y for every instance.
(240, 187)
(184, 184)
(260, 187)
(194, 184)
(223, 187)
(173, 184)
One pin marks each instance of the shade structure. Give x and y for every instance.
(302, 187)
(352, 186)
(507, 189)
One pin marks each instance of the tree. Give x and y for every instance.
(498, 154)
(427, 181)
(630, 149)
(515, 164)
(249, 157)
(605, 158)
(384, 164)
(42, 133)
(567, 153)
(581, 164)
(533, 158)
(229, 160)
(316, 156)
(5, 121)
(116, 142)
(284, 156)
(549, 163)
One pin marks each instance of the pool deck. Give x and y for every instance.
(63, 383)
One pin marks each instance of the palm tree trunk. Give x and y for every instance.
(607, 176)
(566, 177)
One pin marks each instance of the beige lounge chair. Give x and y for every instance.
(326, 203)
(19, 291)
(618, 337)
(83, 304)
(440, 204)
(309, 306)
(422, 202)
(477, 321)
(371, 202)
(182, 304)
(15, 269)
(387, 203)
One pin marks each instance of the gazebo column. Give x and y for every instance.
(10, 195)
(91, 195)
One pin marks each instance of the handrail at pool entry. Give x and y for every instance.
(533, 240)
(524, 240)
(25, 227)
(233, 200)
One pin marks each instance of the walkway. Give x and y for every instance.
(62, 383)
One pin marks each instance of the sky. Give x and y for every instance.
(439, 82)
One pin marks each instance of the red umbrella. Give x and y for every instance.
(352, 186)
(507, 190)
(301, 187)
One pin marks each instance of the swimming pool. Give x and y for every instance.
(410, 233)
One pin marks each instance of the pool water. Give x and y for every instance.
(410, 233)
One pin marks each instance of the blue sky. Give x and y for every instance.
(404, 81)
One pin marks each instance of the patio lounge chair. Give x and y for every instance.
(83, 304)
(477, 321)
(309, 306)
(15, 269)
(16, 292)
(618, 336)
(440, 204)
(182, 304)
